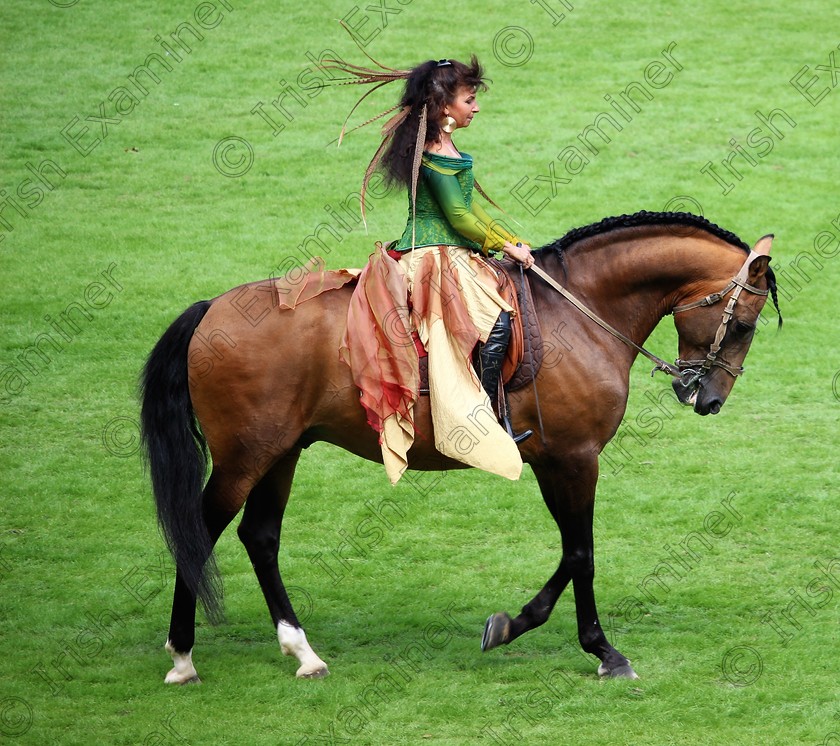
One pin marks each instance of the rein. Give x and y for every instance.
(689, 372)
(659, 363)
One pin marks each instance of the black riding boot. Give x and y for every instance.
(490, 356)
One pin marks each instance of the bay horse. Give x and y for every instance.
(255, 385)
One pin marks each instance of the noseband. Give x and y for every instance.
(692, 371)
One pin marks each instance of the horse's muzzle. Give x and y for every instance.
(686, 390)
(693, 394)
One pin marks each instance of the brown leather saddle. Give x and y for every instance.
(525, 352)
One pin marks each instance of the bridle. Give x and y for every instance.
(688, 372)
(692, 371)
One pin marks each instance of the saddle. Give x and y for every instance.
(525, 352)
(526, 349)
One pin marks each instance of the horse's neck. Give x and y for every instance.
(633, 284)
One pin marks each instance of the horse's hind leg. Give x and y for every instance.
(179, 643)
(259, 531)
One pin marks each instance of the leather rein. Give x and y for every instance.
(689, 372)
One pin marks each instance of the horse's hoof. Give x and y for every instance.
(496, 631)
(174, 677)
(316, 673)
(184, 671)
(623, 671)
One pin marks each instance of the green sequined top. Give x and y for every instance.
(445, 211)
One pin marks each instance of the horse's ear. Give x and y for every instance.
(758, 267)
(759, 259)
(763, 245)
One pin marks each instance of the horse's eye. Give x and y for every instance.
(743, 328)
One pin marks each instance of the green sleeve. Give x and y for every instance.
(495, 228)
(474, 223)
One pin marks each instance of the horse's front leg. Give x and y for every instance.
(569, 494)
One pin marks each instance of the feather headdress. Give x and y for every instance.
(359, 75)
(377, 77)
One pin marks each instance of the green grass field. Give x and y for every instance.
(126, 196)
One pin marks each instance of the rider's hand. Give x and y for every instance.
(521, 253)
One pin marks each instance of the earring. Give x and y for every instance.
(448, 125)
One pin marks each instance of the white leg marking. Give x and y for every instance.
(184, 672)
(627, 673)
(293, 642)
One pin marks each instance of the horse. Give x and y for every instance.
(255, 385)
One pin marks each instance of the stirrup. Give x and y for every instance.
(521, 437)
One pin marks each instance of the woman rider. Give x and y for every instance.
(455, 300)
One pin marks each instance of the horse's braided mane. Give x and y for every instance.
(642, 218)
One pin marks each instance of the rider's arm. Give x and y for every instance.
(474, 224)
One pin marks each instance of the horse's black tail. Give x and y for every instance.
(176, 453)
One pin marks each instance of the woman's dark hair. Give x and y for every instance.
(435, 84)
